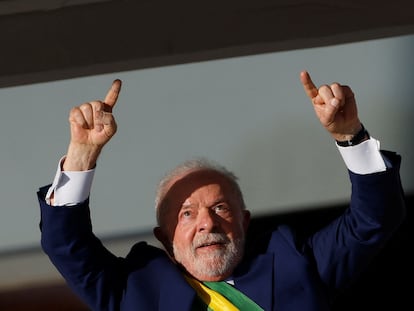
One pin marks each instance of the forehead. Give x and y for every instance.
(209, 194)
(182, 187)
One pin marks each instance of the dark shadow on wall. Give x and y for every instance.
(43, 297)
(382, 285)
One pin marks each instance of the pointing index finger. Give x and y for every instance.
(308, 85)
(113, 93)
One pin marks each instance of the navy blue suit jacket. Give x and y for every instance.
(293, 272)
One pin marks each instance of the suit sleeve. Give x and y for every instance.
(92, 272)
(345, 247)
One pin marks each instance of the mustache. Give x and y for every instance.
(210, 239)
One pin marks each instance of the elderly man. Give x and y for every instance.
(202, 222)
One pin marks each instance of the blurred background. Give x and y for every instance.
(220, 81)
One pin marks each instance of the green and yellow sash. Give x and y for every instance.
(221, 296)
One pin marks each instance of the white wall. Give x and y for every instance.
(249, 113)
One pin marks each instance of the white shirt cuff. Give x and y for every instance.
(364, 158)
(70, 187)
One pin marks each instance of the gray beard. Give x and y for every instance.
(216, 263)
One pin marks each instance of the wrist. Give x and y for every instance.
(81, 157)
(356, 139)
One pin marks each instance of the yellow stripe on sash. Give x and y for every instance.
(211, 298)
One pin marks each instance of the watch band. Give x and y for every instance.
(357, 139)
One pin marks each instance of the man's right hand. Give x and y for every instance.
(92, 125)
(335, 107)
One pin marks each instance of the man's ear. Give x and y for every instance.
(163, 238)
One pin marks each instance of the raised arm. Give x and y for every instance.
(347, 245)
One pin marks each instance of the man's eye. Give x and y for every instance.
(186, 213)
(220, 208)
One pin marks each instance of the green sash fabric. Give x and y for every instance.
(228, 297)
(237, 298)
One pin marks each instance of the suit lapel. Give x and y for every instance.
(176, 294)
(254, 279)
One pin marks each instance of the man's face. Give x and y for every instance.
(206, 225)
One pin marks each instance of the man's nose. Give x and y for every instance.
(207, 220)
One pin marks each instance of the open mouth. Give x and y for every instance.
(211, 242)
(210, 246)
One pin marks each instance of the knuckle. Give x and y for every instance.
(324, 88)
(85, 107)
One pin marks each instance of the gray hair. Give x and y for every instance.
(192, 165)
